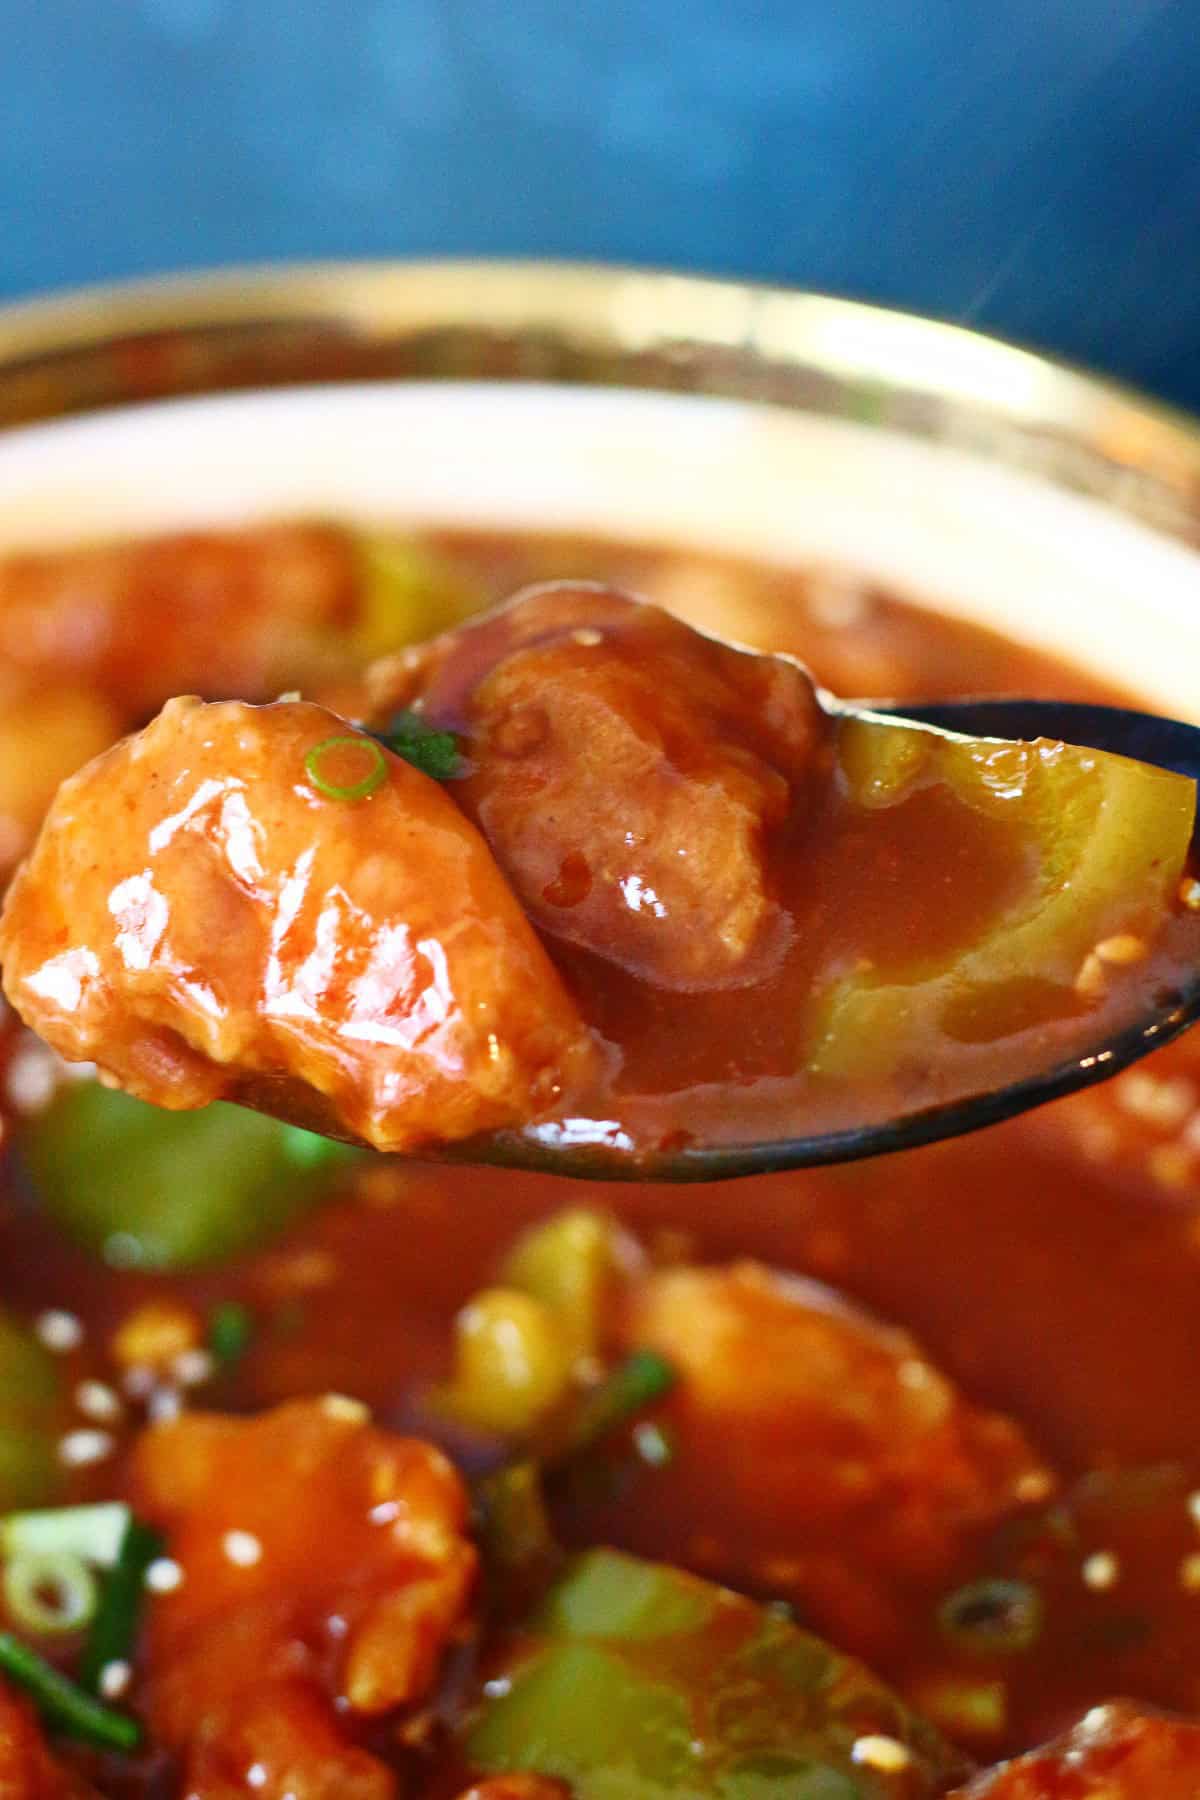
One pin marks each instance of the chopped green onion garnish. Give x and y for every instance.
(435, 753)
(49, 1592)
(642, 1378)
(63, 1703)
(230, 1329)
(373, 776)
(94, 1533)
(112, 1636)
(994, 1616)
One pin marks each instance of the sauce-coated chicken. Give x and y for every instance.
(203, 920)
(628, 773)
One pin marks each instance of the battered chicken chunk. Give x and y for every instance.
(258, 904)
(826, 1441)
(246, 612)
(628, 773)
(1117, 1752)
(324, 1572)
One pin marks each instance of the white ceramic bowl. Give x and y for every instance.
(924, 496)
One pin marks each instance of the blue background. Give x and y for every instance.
(1030, 166)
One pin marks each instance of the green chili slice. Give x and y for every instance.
(114, 1629)
(354, 790)
(49, 1592)
(993, 1616)
(64, 1704)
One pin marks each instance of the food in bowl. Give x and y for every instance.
(328, 1472)
(576, 866)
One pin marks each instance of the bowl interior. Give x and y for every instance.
(941, 525)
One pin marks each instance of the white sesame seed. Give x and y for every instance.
(1097, 1719)
(164, 1405)
(79, 1448)
(1101, 1570)
(256, 1775)
(385, 1512)
(341, 1406)
(192, 1368)
(32, 1079)
(114, 1679)
(59, 1331)
(138, 1381)
(164, 1575)
(587, 637)
(96, 1400)
(242, 1548)
(1122, 950)
(1167, 1103)
(1189, 1573)
(1034, 1485)
(289, 694)
(1189, 894)
(1092, 979)
(887, 1754)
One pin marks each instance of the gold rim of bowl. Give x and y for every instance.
(602, 326)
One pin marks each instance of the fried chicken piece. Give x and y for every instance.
(325, 1571)
(825, 1440)
(627, 772)
(1116, 1752)
(203, 920)
(243, 612)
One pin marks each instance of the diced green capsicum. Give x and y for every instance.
(1108, 839)
(408, 592)
(29, 1419)
(635, 1678)
(171, 1190)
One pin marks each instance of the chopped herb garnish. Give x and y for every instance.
(49, 1592)
(114, 1630)
(94, 1533)
(642, 1378)
(435, 753)
(359, 753)
(994, 1616)
(64, 1704)
(230, 1329)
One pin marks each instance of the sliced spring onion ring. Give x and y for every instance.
(94, 1533)
(63, 1703)
(49, 1592)
(374, 777)
(994, 1616)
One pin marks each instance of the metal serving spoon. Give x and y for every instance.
(1141, 736)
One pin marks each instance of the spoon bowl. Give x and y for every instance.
(1143, 737)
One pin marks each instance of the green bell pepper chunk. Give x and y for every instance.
(635, 1678)
(172, 1190)
(408, 591)
(1108, 840)
(30, 1419)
